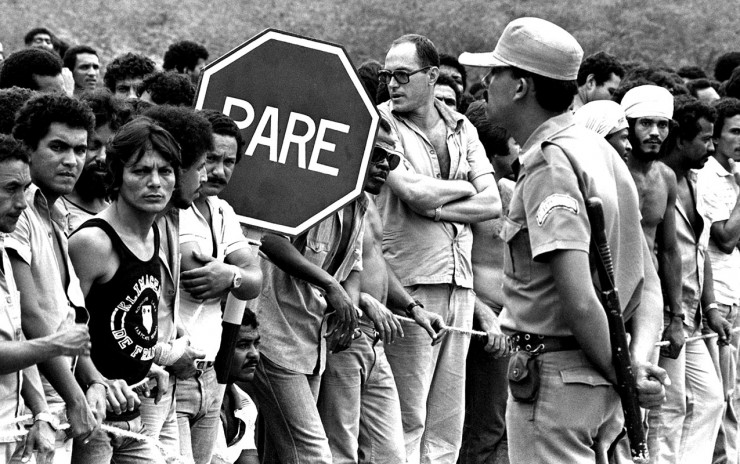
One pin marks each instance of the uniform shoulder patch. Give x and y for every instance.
(553, 202)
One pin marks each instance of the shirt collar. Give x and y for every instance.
(548, 129)
(714, 166)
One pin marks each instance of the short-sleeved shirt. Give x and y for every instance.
(420, 250)
(202, 318)
(76, 214)
(11, 403)
(290, 310)
(33, 241)
(561, 166)
(719, 193)
(693, 252)
(169, 257)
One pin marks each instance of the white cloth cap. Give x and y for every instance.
(604, 117)
(648, 100)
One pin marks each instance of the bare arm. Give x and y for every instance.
(669, 257)
(424, 193)
(207, 277)
(582, 311)
(497, 342)
(484, 205)
(17, 355)
(57, 369)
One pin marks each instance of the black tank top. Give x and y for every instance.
(123, 312)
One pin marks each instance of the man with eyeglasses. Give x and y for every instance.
(358, 401)
(562, 404)
(443, 183)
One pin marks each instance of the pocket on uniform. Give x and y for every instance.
(583, 375)
(316, 251)
(518, 256)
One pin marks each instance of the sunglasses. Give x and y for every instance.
(380, 155)
(401, 76)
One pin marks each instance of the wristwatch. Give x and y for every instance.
(411, 306)
(49, 418)
(237, 279)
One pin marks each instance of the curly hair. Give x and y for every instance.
(191, 130)
(28, 38)
(224, 125)
(495, 139)
(36, 116)
(687, 111)
(11, 100)
(183, 56)
(18, 69)
(128, 66)
(108, 108)
(169, 88)
(449, 60)
(601, 65)
(725, 65)
(70, 56)
(726, 108)
(11, 149)
(132, 142)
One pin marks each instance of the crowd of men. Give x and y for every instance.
(119, 266)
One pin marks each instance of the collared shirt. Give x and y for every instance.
(420, 250)
(11, 403)
(76, 214)
(38, 228)
(202, 318)
(169, 301)
(692, 252)
(562, 165)
(290, 310)
(719, 193)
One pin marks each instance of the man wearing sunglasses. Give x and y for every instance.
(443, 183)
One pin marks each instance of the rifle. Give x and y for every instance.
(626, 384)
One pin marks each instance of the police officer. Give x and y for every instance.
(563, 367)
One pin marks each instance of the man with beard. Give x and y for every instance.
(686, 426)
(90, 195)
(649, 109)
(217, 260)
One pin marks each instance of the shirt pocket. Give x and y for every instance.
(518, 254)
(316, 251)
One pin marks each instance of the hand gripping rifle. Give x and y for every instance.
(626, 384)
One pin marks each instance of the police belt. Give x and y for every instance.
(534, 343)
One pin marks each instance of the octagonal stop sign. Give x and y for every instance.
(308, 124)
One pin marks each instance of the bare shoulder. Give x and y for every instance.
(92, 246)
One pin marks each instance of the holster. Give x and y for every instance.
(524, 376)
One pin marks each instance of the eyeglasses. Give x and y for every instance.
(380, 155)
(402, 77)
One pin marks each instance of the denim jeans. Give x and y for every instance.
(103, 447)
(359, 406)
(287, 404)
(726, 447)
(198, 402)
(431, 379)
(685, 428)
(160, 420)
(486, 393)
(574, 420)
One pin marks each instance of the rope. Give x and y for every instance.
(168, 457)
(447, 327)
(698, 337)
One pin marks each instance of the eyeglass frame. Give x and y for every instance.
(393, 75)
(388, 156)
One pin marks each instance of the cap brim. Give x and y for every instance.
(481, 60)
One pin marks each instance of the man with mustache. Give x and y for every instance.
(649, 109)
(686, 426)
(719, 179)
(90, 195)
(216, 260)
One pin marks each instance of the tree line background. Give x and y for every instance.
(666, 33)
